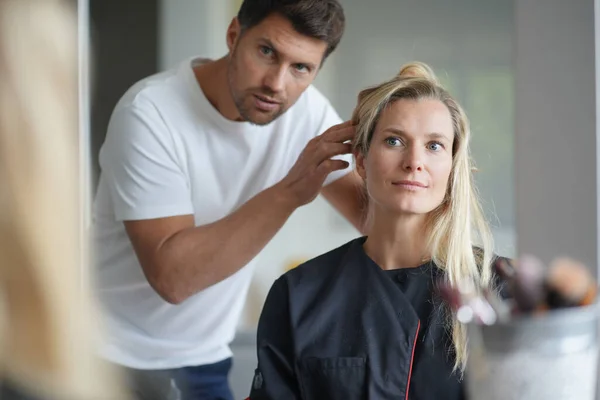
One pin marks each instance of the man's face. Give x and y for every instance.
(270, 66)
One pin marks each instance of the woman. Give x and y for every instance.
(364, 321)
(47, 330)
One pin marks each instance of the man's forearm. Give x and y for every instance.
(196, 258)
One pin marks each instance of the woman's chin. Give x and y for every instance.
(402, 210)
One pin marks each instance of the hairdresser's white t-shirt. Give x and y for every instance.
(169, 152)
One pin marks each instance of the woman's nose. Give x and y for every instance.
(413, 160)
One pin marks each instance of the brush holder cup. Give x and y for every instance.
(550, 356)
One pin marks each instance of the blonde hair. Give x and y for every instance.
(455, 224)
(48, 336)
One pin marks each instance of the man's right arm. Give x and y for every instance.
(178, 258)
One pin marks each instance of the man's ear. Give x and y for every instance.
(233, 33)
(360, 164)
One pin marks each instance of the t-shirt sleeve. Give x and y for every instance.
(140, 166)
(331, 118)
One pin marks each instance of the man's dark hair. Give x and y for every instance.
(319, 19)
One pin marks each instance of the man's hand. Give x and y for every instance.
(305, 180)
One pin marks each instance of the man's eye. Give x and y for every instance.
(267, 51)
(301, 68)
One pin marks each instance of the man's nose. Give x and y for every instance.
(275, 79)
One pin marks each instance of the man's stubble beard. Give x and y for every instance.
(238, 99)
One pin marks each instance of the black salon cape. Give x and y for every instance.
(340, 327)
(9, 391)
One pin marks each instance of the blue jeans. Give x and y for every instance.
(204, 382)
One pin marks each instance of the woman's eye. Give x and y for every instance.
(393, 141)
(435, 146)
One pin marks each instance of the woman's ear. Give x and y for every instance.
(360, 164)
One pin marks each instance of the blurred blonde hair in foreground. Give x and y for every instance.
(48, 335)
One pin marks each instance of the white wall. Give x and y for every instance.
(193, 27)
(556, 145)
(85, 155)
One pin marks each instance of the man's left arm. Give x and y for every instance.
(343, 189)
(347, 195)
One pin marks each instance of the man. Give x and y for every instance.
(201, 166)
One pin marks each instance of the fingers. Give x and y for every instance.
(330, 165)
(328, 150)
(340, 133)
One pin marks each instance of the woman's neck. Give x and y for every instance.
(397, 241)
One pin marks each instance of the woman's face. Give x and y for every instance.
(409, 160)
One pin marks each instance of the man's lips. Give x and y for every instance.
(265, 103)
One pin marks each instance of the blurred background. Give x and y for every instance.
(494, 55)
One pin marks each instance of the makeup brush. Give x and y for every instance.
(449, 294)
(505, 272)
(569, 284)
(468, 306)
(527, 284)
(501, 307)
(504, 269)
